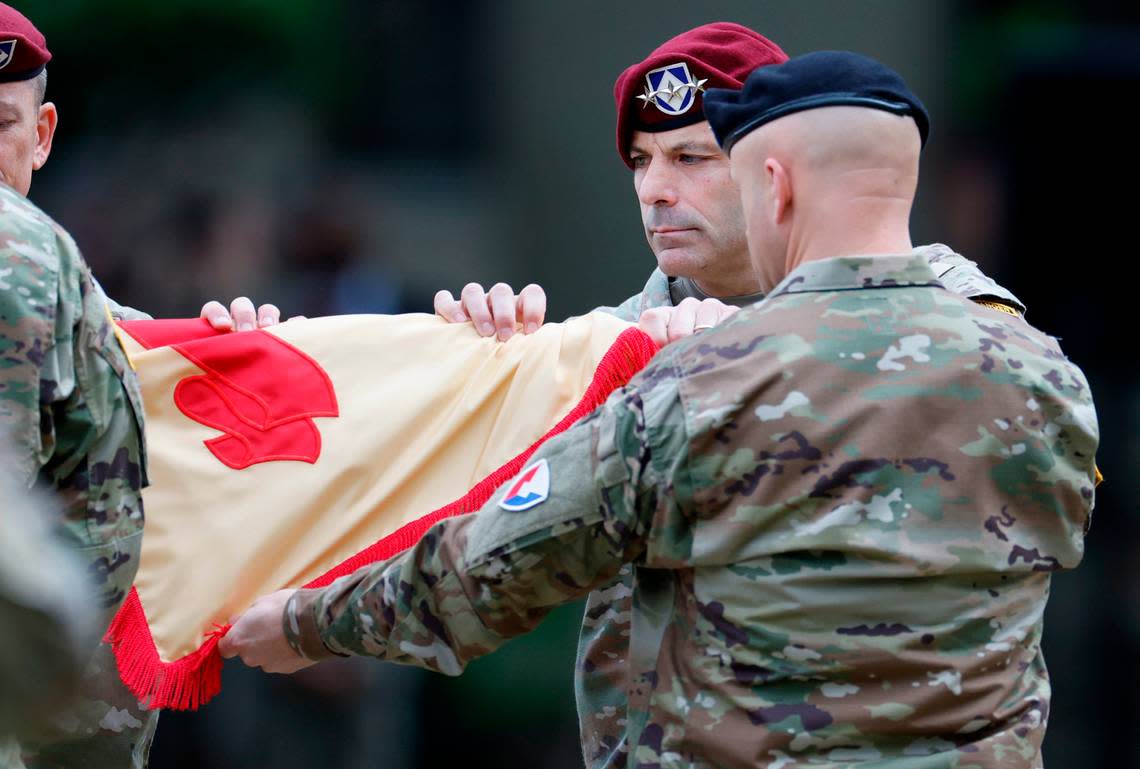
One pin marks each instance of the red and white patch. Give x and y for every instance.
(529, 488)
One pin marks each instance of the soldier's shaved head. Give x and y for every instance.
(825, 182)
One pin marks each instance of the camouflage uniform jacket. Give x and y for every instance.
(843, 507)
(601, 682)
(72, 407)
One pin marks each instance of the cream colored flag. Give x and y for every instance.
(288, 456)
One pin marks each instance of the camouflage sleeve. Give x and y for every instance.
(965, 278)
(475, 581)
(629, 310)
(30, 288)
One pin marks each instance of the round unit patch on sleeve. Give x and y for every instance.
(531, 487)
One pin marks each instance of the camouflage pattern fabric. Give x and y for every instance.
(72, 406)
(955, 271)
(654, 294)
(843, 507)
(963, 277)
(603, 647)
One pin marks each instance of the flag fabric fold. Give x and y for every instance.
(290, 456)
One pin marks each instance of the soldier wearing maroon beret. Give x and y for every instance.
(27, 122)
(690, 207)
(107, 728)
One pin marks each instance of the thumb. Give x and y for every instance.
(227, 645)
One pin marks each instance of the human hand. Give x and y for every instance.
(668, 324)
(258, 637)
(241, 316)
(495, 311)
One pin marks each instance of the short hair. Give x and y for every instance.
(40, 84)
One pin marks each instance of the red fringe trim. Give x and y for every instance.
(193, 680)
(183, 684)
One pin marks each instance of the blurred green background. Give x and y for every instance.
(352, 156)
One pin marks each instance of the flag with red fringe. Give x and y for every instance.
(290, 456)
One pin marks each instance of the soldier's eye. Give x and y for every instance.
(640, 161)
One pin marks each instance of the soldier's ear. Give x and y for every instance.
(46, 122)
(780, 186)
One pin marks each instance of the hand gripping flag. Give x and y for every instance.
(290, 456)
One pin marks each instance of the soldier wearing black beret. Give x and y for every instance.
(825, 149)
(818, 113)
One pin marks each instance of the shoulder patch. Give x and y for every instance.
(529, 488)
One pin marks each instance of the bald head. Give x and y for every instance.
(831, 181)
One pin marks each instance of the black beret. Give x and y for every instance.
(820, 79)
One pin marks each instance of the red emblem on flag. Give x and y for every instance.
(257, 389)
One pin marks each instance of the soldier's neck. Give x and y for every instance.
(850, 236)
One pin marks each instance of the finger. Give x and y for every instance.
(448, 308)
(708, 314)
(268, 315)
(681, 321)
(475, 305)
(245, 317)
(216, 314)
(502, 300)
(655, 323)
(227, 646)
(297, 317)
(531, 308)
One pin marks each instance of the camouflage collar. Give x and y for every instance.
(845, 273)
(683, 288)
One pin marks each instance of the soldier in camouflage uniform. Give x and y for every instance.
(722, 54)
(72, 406)
(842, 506)
(91, 450)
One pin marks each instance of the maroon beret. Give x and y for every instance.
(23, 49)
(663, 92)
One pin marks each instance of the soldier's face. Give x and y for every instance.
(26, 131)
(690, 207)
